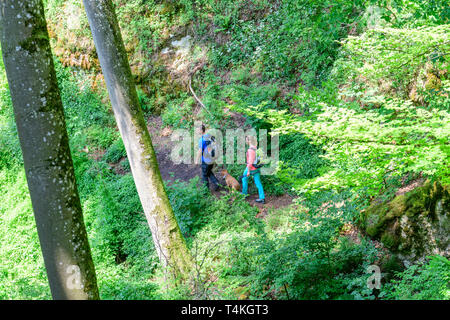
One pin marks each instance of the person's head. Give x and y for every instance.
(202, 129)
(251, 141)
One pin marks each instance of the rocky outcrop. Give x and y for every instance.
(412, 225)
(159, 53)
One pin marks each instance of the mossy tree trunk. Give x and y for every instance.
(167, 237)
(41, 126)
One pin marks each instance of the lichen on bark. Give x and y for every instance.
(169, 242)
(41, 127)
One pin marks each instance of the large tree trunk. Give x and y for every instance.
(167, 237)
(43, 138)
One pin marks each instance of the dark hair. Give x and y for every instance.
(203, 128)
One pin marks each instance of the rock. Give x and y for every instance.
(182, 46)
(165, 51)
(412, 225)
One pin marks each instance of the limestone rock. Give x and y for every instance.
(412, 225)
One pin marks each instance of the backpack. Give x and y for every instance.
(209, 148)
(259, 158)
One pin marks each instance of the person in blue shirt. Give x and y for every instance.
(207, 164)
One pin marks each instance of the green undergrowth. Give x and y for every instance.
(357, 90)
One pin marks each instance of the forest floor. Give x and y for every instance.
(161, 139)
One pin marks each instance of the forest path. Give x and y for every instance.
(161, 139)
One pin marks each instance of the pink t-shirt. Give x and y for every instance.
(251, 155)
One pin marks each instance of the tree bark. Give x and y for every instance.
(167, 237)
(41, 127)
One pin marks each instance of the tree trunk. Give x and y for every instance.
(41, 126)
(167, 237)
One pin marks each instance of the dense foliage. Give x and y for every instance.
(359, 91)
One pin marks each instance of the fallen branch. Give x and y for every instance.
(192, 90)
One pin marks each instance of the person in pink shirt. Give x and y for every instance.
(250, 170)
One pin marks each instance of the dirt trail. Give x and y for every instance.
(163, 148)
(184, 172)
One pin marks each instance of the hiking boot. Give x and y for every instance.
(260, 201)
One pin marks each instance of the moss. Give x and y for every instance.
(39, 35)
(398, 205)
(389, 239)
(374, 219)
(402, 223)
(168, 8)
(423, 200)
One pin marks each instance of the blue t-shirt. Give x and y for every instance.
(206, 157)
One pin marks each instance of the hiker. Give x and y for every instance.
(250, 170)
(206, 151)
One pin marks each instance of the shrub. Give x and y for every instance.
(189, 203)
(309, 260)
(10, 152)
(289, 40)
(115, 152)
(178, 114)
(429, 280)
(299, 155)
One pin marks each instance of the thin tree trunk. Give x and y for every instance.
(41, 126)
(167, 237)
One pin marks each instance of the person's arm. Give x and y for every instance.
(199, 153)
(199, 156)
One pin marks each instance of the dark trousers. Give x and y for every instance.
(208, 174)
